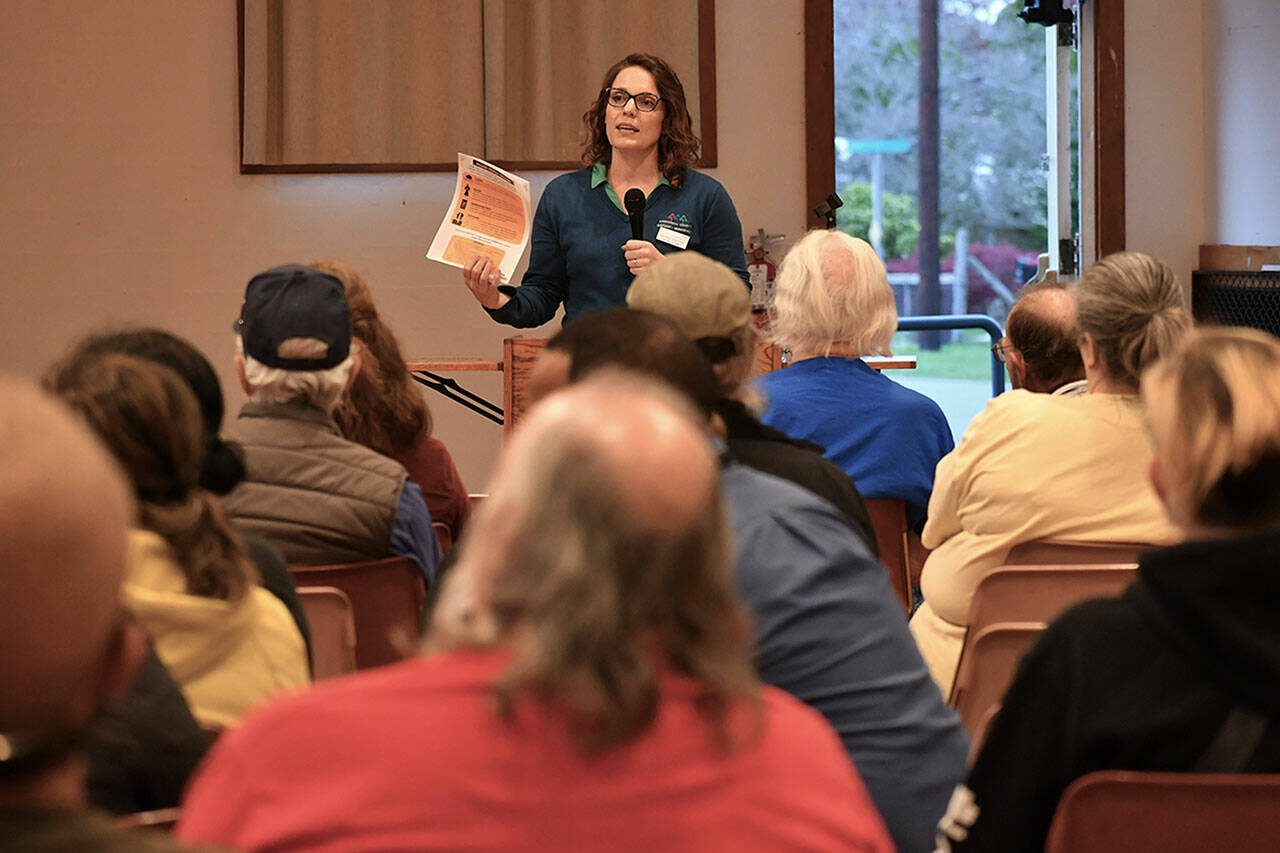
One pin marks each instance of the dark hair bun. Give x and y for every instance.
(223, 466)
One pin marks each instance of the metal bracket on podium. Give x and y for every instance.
(450, 388)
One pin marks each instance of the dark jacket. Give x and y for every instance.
(1140, 682)
(774, 452)
(34, 828)
(143, 747)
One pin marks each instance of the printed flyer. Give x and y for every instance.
(490, 216)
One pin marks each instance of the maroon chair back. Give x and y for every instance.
(1055, 552)
(1118, 811)
(387, 597)
(1042, 593)
(443, 536)
(162, 820)
(331, 617)
(889, 521)
(986, 669)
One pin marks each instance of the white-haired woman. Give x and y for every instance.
(833, 305)
(1039, 466)
(1189, 657)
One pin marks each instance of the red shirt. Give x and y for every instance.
(431, 467)
(413, 757)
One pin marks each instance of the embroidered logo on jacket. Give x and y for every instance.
(677, 222)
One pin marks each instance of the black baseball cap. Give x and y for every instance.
(294, 301)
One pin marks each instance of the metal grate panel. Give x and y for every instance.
(1232, 298)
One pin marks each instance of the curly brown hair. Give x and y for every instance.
(383, 409)
(677, 144)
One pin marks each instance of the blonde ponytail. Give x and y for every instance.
(1214, 410)
(1132, 305)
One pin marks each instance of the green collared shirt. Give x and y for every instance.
(599, 175)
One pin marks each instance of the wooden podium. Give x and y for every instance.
(519, 354)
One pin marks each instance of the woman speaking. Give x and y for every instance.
(639, 136)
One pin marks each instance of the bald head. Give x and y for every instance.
(601, 558)
(1052, 303)
(1043, 335)
(648, 441)
(64, 510)
(602, 483)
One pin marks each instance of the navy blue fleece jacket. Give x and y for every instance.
(576, 255)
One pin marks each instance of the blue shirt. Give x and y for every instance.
(576, 245)
(830, 632)
(412, 534)
(887, 438)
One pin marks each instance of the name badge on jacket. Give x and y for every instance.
(672, 237)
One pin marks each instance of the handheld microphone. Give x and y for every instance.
(633, 201)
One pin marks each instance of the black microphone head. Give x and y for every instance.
(633, 201)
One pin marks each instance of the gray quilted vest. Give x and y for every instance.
(313, 494)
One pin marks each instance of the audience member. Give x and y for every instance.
(706, 300)
(1041, 348)
(1181, 672)
(833, 305)
(143, 747)
(1040, 466)
(65, 649)
(828, 628)
(223, 467)
(318, 497)
(384, 410)
(590, 683)
(226, 641)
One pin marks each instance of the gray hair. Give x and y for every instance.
(1132, 305)
(320, 389)
(592, 590)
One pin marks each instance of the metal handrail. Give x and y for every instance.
(946, 322)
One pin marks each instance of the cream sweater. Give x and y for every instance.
(1031, 466)
(225, 656)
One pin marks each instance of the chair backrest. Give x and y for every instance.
(162, 820)
(1042, 593)
(889, 521)
(333, 630)
(443, 536)
(1117, 811)
(986, 671)
(386, 595)
(1056, 552)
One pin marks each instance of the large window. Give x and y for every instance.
(1013, 182)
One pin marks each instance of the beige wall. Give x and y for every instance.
(122, 201)
(1164, 130)
(1242, 122)
(1202, 126)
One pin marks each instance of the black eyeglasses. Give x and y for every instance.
(646, 102)
(997, 349)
